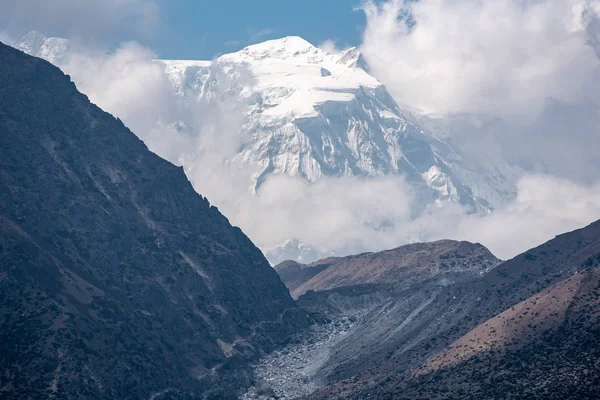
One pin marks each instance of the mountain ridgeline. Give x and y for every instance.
(447, 320)
(117, 279)
(398, 268)
(531, 331)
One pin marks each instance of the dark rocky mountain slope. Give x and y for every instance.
(373, 306)
(527, 329)
(546, 347)
(117, 280)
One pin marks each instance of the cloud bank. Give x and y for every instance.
(514, 81)
(495, 57)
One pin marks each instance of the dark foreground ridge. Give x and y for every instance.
(117, 279)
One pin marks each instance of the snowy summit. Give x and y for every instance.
(313, 114)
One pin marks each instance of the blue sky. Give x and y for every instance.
(185, 29)
(202, 29)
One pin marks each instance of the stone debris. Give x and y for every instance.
(294, 370)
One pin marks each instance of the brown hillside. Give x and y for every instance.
(406, 265)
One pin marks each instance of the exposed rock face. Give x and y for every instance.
(117, 279)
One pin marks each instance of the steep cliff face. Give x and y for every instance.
(117, 279)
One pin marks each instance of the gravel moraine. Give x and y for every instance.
(293, 371)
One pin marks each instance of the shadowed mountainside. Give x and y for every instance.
(527, 329)
(547, 346)
(117, 279)
(395, 300)
(294, 274)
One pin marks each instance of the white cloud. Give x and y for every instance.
(329, 46)
(6, 38)
(128, 84)
(339, 215)
(545, 206)
(352, 215)
(562, 140)
(498, 57)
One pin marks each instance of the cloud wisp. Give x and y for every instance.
(330, 46)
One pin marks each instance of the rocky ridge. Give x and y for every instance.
(401, 267)
(524, 329)
(368, 305)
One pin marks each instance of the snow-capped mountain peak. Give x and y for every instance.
(32, 42)
(296, 50)
(283, 49)
(313, 114)
(353, 58)
(309, 113)
(294, 63)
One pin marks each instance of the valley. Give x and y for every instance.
(120, 278)
(459, 334)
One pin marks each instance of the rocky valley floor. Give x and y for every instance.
(293, 371)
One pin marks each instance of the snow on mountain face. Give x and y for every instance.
(480, 163)
(308, 114)
(313, 114)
